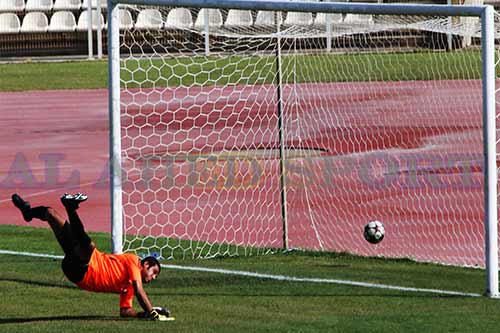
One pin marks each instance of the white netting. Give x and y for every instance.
(378, 122)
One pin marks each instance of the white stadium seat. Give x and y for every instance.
(358, 19)
(214, 18)
(179, 18)
(83, 20)
(266, 18)
(238, 18)
(126, 20)
(67, 5)
(296, 18)
(35, 22)
(11, 5)
(320, 19)
(62, 22)
(85, 4)
(149, 19)
(39, 5)
(9, 23)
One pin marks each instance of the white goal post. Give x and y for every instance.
(161, 114)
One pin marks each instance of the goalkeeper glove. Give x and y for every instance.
(154, 315)
(158, 313)
(162, 311)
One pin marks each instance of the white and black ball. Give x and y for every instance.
(374, 231)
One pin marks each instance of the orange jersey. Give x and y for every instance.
(113, 273)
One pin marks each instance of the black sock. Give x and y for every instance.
(39, 212)
(78, 229)
(67, 240)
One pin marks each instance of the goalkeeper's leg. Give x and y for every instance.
(71, 203)
(48, 214)
(75, 243)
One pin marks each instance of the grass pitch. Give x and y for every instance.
(199, 71)
(37, 297)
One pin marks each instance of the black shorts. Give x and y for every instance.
(74, 268)
(73, 265)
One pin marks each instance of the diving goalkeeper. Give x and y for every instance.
(93, 270)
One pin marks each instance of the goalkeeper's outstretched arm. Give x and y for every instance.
(143, 300)
(150, 312)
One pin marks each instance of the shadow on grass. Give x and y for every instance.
(54, 318)
(37, 283)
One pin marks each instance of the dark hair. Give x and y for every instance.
(152, 261)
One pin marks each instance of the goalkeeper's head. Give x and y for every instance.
(150, 269)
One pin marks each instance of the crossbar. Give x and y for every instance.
(317, 7)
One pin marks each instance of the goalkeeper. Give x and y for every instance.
(92, 270)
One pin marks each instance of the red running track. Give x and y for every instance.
(57, 141)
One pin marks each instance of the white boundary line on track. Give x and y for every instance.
(60, 189)
(276, 277)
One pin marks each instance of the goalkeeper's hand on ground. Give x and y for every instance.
(155, 315)
(162, 311)
(158, 313)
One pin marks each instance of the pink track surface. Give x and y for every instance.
(57, 141)
(52, 142)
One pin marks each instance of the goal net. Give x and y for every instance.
(249, 131)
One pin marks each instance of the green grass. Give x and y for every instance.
(37, 297)
(53, 75)
(239, 70)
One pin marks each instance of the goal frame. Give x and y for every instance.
(485, 12)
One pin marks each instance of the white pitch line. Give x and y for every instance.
(279, 277)
(29, 254)
(62, 189)
(318, 280)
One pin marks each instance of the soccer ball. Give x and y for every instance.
(374, 232)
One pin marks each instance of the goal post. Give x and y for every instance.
(115, 160)
(229, 139)
(489, 146)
